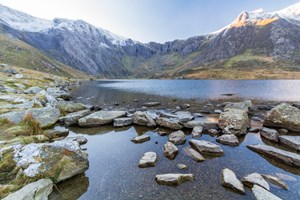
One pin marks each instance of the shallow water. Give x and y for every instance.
(114, 174)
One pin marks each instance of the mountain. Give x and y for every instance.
(258, 39)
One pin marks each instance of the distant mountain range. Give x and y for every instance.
(258, 39)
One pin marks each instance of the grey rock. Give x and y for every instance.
(20, 86)
(285, 157)
(206, 147)
(170, 123)
(284, 116)
(57, 132)
(262, 194)
(230, 181)
(276, 181)
(148, 160)
(39, 190)
(143, 119)
(151, 104)
(33, 90)
(269, 134)
(170, 150)
(195, 155)
(217, 111)
(245, 105)
(213, 132)
(177, 137)
(182, 166)
(173, 179)
(78, 138)
(228, 139)
(205, 122)
(197, 131)
(100, 118)
(255, 179)
(141, 139)
(120, 122)
(72, 118)
(70, 107)
(292, 142)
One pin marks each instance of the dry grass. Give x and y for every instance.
(34, 125)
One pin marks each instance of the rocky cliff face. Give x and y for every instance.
(97, 51)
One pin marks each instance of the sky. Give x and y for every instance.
(148, 20)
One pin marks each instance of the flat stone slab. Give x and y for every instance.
(230, 181)
(206, 147)
(72, 118)
(255, 179)
(177, 137)
(100, 118)
(170, 150)
(140, 139)
(148, 160)
(173, 179)
(228, 139)
(124, 121)
(275, 181)
(292, 142)
(285, 157)
(195, 155)
(263, 194)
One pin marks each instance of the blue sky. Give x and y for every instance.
(149, 20)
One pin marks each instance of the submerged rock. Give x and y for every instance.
(206, 147)
(148, 160)
(255, 179)
(292, 142)
(173, 179)
(170, 123)
(285, 157)
(170, 150)
(275, 181)
(230, 181)
(120, 122)
(195, 155)
(228, 139)
(72, 118)
(143, 119)
(262, 194)
(100, 118)
(177, 137)
(197, 131)
(269, 134)
(284, 116)
(39, 190)
(141, 139)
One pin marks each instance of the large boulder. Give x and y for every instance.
(292, 142)
(46, 117)
(100, 118)
(230, 181)
(173, 179)
(234, 121)
(285, 157)
(206, 147)
(284, 116)
(171, 123)
(177, 137)
(143, 119)
(72, 118)
(59, 160)
(39, 190)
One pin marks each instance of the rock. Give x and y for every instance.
(143, 119)
(206, 147)
(141, 139)
(286, 177)
(227, 139)
(230, 181)
(151, 104)
(148, 160)
(100, 118)
(186, 105)
(269, 134)
(283, 131)
(217, 111)
(11, 71)
(58, 132)
(173, 179)
(296, 104)
(262, 194)
(213, 132)
(197, 131)
(284, 116)
(170, 150)
(169, 123)
(195, 155)
(205, 122)
(39, 190)
(59, 160)
(19, 76)
(245, 105)
(78, 138)
(234, 121)
(285, 157)
(19, 85)
(144, 108)
(184, 116)
(72, 118)
(70, 107)
(57, 93)
(182, 166)
(46, 117)
(177, 137)
(33, 90)
(120, 122)
(255, 179)
(292, 142)
(276, 181)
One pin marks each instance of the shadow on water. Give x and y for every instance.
(114, 174)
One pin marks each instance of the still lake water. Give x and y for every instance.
(114, 174)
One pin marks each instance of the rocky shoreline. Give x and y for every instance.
(33, 151)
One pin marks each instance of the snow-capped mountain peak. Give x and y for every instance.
(291, 12)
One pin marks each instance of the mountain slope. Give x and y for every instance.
(257, 39)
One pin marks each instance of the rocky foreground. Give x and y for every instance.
(35, 155)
